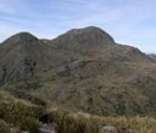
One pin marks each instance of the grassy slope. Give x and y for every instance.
(106, 92)
(68, 122)
(118, 89)
(102, 80)
(18, 114)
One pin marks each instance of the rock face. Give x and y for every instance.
(83, 69)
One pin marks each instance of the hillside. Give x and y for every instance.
(81, 70)
(152, 56)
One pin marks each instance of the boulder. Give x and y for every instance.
(108, 129)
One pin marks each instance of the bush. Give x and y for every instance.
(4, 128)
(30, 124)
(69, 123)
(20, 115)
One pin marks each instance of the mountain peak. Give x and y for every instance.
(86, 39)
(24, 35)
(86, 29)
(93, 30)
(21, 37)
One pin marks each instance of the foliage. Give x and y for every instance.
(4, 128)
(20, 113)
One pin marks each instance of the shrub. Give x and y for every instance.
(20, 115)
(4, 128)
(30, 124)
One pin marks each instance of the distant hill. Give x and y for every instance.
(81, 70)
(152, 56)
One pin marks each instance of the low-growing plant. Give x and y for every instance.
(21, 115)
(68, 122)
(4, 128)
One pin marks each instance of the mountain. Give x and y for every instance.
(20, 51)
(84, 40)
(152, 56)
(81, 70)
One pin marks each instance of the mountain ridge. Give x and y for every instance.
(82, 69)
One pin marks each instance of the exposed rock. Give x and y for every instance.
(46, 128)
(108, 129)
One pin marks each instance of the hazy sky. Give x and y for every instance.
(130, 22)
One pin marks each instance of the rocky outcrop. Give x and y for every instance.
(47, 128)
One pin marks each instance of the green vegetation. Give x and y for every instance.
(19, 113)
(4, 128)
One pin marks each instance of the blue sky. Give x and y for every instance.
(130, 22)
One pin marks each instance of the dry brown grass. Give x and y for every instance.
(18, 113)
(85, 123)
